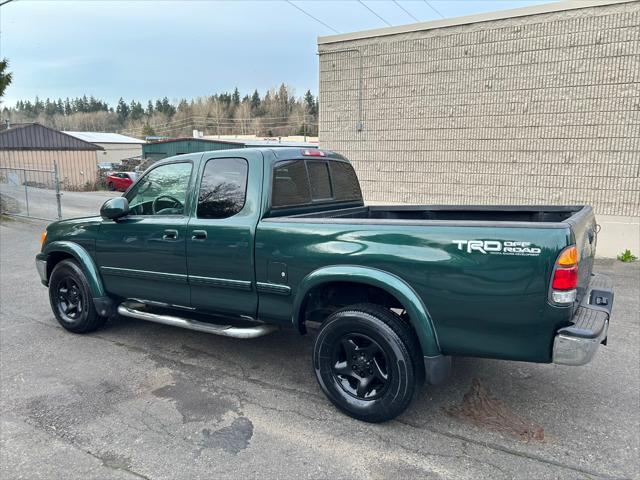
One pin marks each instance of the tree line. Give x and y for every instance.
(277, 112)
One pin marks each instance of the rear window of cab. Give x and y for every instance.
(306, 182)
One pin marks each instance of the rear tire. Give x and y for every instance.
(71, 299)
(364, 357)
(111, 187)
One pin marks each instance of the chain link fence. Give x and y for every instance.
(33, 193)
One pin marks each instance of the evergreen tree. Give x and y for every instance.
(235, 98)
(122, 110)
(149, 110)
(255, 101)
(67, 107)
(38, 106)
(166, 107)
(49, 108)
(5, 76)
(148, 131)
(136, 112)
(84, 102)
(310, 103)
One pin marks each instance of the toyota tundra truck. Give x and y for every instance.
(243, 242)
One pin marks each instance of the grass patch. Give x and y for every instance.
(627, 256)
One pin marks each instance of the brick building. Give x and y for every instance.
(537, 105)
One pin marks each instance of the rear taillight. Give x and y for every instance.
(565, 276)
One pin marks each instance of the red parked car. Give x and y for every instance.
(120, 180)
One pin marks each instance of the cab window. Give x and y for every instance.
(223, 188)
(163, 191)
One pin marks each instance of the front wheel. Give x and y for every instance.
(71, 300)
(366, 362)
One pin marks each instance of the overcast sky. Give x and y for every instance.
(184, 49)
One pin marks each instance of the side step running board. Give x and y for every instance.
(134, 310)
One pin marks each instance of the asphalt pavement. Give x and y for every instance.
(41, 202)
(140, 400)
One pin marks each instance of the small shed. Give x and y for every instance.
(34, 146)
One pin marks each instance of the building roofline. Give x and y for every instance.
(79, 134)
(191, 139)
(142, 142)
(467, 19)
(90, 146)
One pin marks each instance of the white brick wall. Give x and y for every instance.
(540, 109)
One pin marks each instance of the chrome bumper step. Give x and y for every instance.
(136, 310)
(577, 344)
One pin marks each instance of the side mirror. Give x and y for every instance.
(114, 208)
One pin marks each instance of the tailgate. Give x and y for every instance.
(584, 232)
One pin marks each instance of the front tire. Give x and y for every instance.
(365, 360)
(71, 300)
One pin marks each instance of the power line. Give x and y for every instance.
(5, 2)
(405, 11)
(311, 16)
(365, 6)
(433, 8)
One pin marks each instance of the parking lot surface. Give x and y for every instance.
(140, 400)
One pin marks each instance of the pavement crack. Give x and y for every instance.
(103, 461)
(511, 451)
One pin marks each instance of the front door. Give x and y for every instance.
(143, 254)
(220, 238)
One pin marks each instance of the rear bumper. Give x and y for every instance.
(578, 343)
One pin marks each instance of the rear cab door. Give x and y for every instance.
(221, 233)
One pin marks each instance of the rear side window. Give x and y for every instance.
(290, 184)
(303, 182)
(223, 188)
(345, 182)
(319, 181)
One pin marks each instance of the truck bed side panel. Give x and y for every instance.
(491, 304)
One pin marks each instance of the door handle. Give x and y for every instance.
(170, 235)
(199, 235)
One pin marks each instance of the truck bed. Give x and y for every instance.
(499, 301)
(494, 214)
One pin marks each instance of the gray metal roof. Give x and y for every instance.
(104, 137)
(34, 136)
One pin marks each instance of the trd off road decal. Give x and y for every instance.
(497, 247)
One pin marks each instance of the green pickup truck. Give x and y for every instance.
(243, 242)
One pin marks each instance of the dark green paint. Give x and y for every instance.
(459, 303)
(385, 280)
(83, 258)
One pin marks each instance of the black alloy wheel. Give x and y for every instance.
(360, 366)
(71, 300)
(368, 362)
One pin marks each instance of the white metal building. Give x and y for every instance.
(116, 147)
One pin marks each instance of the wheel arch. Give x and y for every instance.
(390, 283)
(60, 250)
